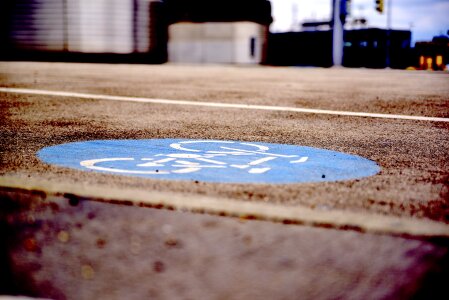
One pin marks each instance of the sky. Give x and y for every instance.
(425, 18)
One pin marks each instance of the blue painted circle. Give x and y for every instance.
(209, 160)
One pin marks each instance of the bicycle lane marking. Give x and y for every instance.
(210, 161)
(220, 105)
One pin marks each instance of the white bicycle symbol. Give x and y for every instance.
(190, 159)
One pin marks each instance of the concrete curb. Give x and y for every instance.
(227, 207)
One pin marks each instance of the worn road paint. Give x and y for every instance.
(209, 160)
(221, 105)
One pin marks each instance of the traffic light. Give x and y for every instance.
(380, 6)
(345, 7)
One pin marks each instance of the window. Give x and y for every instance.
(252, 47)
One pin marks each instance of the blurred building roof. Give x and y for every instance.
(258, 11)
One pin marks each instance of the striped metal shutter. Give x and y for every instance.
(83, 26)
(37, 25)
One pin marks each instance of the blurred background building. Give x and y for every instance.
(365, 47)
(230, 31)
(84, 30)
(197, 31)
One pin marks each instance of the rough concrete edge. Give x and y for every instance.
(338, 219)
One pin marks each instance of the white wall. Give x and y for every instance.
(100, 26)
(216, 42)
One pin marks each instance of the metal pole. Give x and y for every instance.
(337, 33)
(388, 54)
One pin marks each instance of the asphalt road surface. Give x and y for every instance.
(82, 234)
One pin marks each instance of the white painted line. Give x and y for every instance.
(220, 105)
(258, 170)
(301, 160)
(262, 160)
